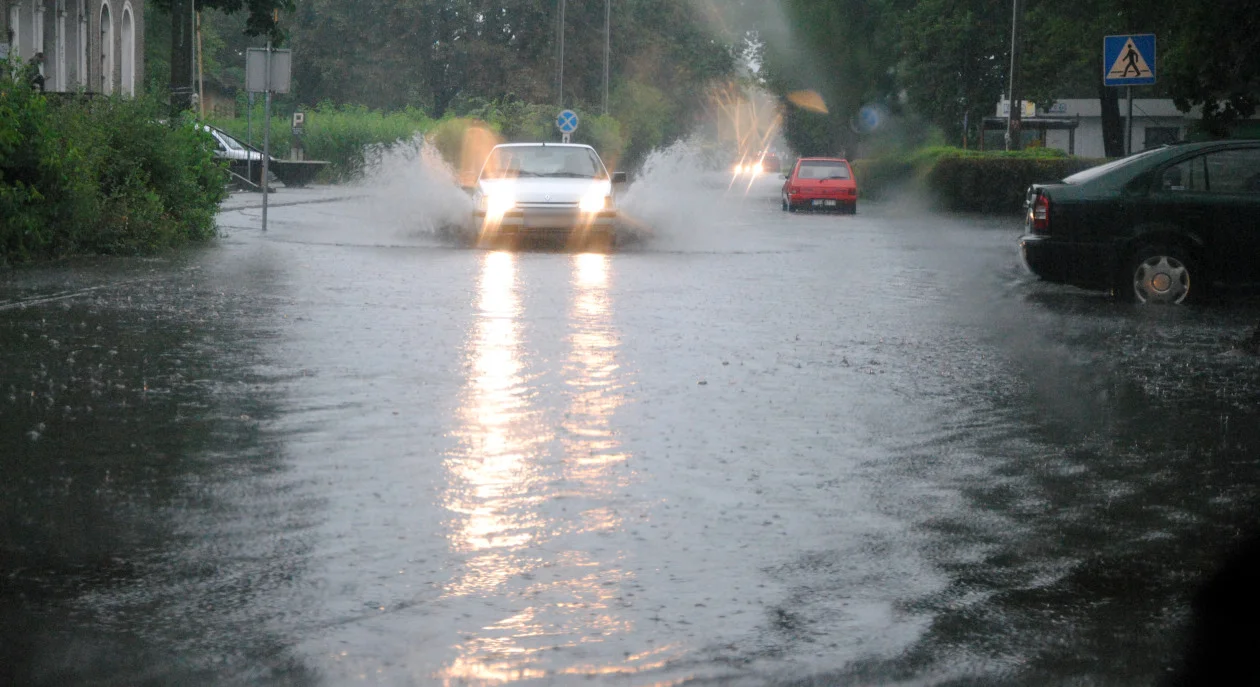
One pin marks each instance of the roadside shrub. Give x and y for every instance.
(647, 118)
(966, 180)
(337, 134)
(994, 184)
(449, 135)
(603, 133)
(882, 177)
(103, 175)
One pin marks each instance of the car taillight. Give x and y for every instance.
(1039, 213)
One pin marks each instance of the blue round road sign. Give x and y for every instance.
(567, 122)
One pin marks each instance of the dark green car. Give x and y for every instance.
(1162, 226)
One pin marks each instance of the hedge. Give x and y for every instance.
(348, 136)
(99, 176)
(339, 134)
(966, 181)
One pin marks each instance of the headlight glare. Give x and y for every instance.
(593, 203)
(498, 204)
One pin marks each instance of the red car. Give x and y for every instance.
(820, 183)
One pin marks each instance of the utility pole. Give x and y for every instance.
(1128, 124)
(266, 136)
(607, 47)
(560, 63)
(1013, 137)
(182, 49)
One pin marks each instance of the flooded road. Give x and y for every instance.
(756, 448)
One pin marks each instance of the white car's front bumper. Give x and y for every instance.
(557, 220)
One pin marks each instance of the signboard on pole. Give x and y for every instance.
(1129, 60)
(256, 70)
(567, 123)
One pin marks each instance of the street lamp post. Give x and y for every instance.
(1013, 114)
(560, 64)
(607, 47)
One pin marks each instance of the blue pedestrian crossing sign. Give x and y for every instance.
(1129, 60)
(567, 122)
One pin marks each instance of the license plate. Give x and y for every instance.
(825, 203)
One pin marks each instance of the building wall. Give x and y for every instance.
(61, 24)
(1155, 121)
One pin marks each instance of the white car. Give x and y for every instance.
(228, 148)
(548, 190)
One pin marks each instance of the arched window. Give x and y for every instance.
(59, 45)
(15, 28)
(107, 50)
(128, 52)
(81, 17)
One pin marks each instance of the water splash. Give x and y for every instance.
(409, 189)
(682, 199)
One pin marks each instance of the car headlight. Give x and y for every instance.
(594, 202)
(496, 205)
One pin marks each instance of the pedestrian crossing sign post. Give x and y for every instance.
(1129, 60)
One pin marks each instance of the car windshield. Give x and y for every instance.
(1095, 172)
(823, 169)
(228, 141)
(543, 161)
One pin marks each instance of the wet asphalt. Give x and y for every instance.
(748, 448)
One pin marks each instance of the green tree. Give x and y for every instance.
(845, 51)
(1213, 62)
(955, 60)
(261, 20)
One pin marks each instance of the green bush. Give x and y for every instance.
(966, 180)
(646, 115)
(994, 184)
(338, 134)
(449, 135)
(881, 177)
(603, 133)
(104, 175)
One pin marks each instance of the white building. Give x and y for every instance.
(1156, 121)
(96, 46)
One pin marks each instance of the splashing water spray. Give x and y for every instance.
(416, 188)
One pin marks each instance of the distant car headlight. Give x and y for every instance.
(594, 202)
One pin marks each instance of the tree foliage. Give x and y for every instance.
(260, 15)
(939, 62)
(1214, 62)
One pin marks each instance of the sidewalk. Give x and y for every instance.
(279, 197)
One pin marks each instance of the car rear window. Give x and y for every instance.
(823, 169)
(1095, 172)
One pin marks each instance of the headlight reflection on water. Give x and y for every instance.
(521, 557)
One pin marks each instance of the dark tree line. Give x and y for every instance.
(947, 61)
(944, 62)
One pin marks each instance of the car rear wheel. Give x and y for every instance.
(1162, 275)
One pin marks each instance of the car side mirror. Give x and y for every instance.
(620, 178)
(787, 176)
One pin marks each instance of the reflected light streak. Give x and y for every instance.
(561, 594)
(491, 474)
